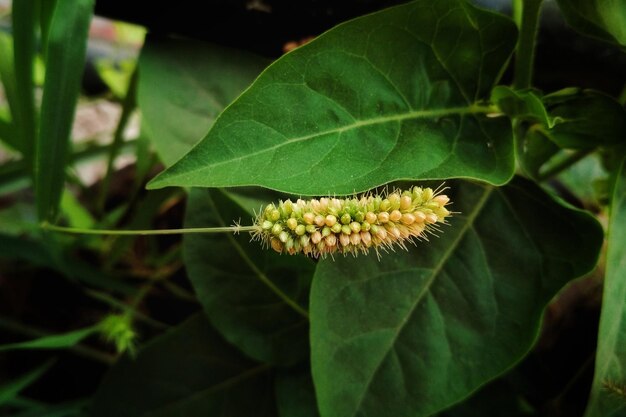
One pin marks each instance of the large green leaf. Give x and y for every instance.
(386, 96)
(602, 19)
(256, 298)
(184, 85)
(67, 46)
(189, 371)
(608, 397)
(418, 331)
(295, 395)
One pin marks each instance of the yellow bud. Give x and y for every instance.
(320, 221)
(442, 199)
(431, 218)
(330, 220)
(292, 223)
(316, 237)
(383, 217)
(408, 218)
(344, 239)
(370, 217)
(355, 239)
(395, 215)
(308, 218)
(405, 202)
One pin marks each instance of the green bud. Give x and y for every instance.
(346, 219)
(276, 229)
(336, 228)
(310, 228)
(345, 229)
(267, 225)
(300, 230)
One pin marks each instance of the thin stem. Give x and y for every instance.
(525, 51)
(564, 164)
(128, 106)
(103, 232)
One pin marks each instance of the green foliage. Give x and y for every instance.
(407, 93)
(353, 114)
(404, 335)
(65, 57)
(608, 397)
(602, 19)
(188, 371)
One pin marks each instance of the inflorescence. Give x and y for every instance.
(351, 225)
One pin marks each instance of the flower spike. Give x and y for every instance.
(326, 226)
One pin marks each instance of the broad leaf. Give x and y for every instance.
(602, 19)
(189, 371)
(386, 96)
(608, 397)
(418, 331)
(254, 297)
(184, 85)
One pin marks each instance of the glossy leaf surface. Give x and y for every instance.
(343, 114)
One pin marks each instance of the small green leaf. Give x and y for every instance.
(419, 331)
(189, 371)
(254, 297)
(585, 119)
(67, 44)
(184, 85)
(608, 396)
(601, 19)
(524, 105)
(13, 388)
(386, 96)
(56, 341)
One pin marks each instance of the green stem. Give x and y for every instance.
(525, 51)
(128, 106)
(564, 164)
(103, 232)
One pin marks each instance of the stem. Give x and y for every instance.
(564, 164)
(525, 53)
(622, 96)
(128, 106)
(103, 232)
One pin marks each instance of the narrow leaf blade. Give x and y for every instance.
(67, 44)
(608, 396)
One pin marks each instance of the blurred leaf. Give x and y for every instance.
(67, 44)
(24, 26)
(535, 149)
(601, 19)
(12, 389)
(248, 293)
(74, 212)
(184, 85)
(585, 119)
(56, 341)
(8, 131)
(116, 75)
(386, 96)
(18, 218)
(295, 394)
(608, 396)
(69, 409)
(188, 371)
(418, 331)
(584, 180)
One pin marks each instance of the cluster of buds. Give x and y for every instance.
(351, 225)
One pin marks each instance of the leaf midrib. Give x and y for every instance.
(436, 270)
(415, 114)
